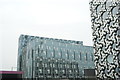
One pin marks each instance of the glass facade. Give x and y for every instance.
(40, 57)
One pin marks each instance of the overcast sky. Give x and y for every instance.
(62, 19)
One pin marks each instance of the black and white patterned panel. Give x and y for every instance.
(105, 16)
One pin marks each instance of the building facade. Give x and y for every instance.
(105, 16)
(40, 57)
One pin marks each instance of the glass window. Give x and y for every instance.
(56, 71)
(48, 71)
(92, 56)
(61, 65)
(50, 64)
(74, 55)
(45, 65)
(37, 65)
(40, 70)
(80, 56)
(40, 59)
(110, 58)
(63, 71)
(60, 53)
(83, 71)
(70, 71)
(44, 52)
(64, 54)
(76, 71)
(28, 54)
(74, 66)
(53, 65)
(38, 50)
(67, 65)
(67, 54)
(115, 10)
(86, 57)
(53, 53)
(32, 53)
(41, 46)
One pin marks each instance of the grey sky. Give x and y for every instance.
(63, 19)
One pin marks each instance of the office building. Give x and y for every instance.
(105, 16)
(40, 57)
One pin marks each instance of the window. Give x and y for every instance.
(86, 57)
(45, 65)
(40, 70)
(32, 53)
(70, 71)
(42, 51)
(38, 50)
(54, 52)
(28, 54)
(45, 41)
(20, 67)
(63, 71)
(92, 56)
(80, 56)
(74, 55)
(61, 53)
(50, 64)
(37, 65)
(60, 65)
(67, 55)
(46, 53)
(74, 66)
(41, 46)
(76, 71)
(53, 65)
(83, 71)
(56, 71)
(110, 58)
(40, 59)
(48, 71)
(67, 65)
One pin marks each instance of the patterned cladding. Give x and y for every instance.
(105, 16)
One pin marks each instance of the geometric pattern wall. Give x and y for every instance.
(105, 16)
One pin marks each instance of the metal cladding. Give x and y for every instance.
(105, 16)
(40, 57)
